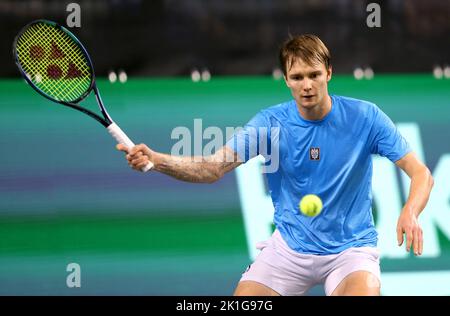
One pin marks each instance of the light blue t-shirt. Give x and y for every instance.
(331, 158)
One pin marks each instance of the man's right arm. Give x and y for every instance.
(190, 169)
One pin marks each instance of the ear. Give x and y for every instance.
(329, 73)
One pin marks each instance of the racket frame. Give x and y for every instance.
(106, 119)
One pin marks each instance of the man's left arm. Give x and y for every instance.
(419, 192)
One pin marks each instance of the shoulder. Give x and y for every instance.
(356, 107)
(279, 111)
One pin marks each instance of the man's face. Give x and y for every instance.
(308, 84)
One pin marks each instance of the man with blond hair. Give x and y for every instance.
(325, 145)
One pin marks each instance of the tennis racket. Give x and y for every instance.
(55, 63)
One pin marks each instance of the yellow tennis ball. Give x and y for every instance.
(311, 205)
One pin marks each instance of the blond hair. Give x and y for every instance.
(309, 48)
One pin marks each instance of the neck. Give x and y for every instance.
(316, 112)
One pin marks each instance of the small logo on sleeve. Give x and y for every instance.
(314, 153)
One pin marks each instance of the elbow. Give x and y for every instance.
(430, 178)
(431, 181)
(211, 180)
(214, 177)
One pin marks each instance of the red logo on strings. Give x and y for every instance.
(54, 71)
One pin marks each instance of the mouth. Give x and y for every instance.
(307, 97)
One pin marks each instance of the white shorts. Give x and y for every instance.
(291, 273)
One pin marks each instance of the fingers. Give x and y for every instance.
(414, 239)
(132, 151)
(420, 242)
(139, 148)
(416, 242)
(141, 165)
(408, 225)
(409, 239)
(122, 147)
(138, 157)
(134, 156)
(139, 160)
(138, 163)
(399, 236)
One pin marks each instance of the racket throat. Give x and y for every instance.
(108, 118)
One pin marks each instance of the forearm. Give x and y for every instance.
(197, 169)
(187, 168)
(420, 188)
(190, 169)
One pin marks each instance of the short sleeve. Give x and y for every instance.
(253, 139)
(385, 139)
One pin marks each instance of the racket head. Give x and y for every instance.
(54, 62)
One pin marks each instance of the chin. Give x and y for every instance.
(308, 105)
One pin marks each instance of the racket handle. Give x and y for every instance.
(123, 139)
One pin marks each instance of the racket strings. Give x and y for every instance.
(52, 77)
(61, 47)
(54, 62)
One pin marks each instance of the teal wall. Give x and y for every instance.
(66, 195)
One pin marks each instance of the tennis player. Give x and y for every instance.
(325, 147)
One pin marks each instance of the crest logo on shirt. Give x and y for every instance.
(314, 153)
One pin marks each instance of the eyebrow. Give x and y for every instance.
(315, 72)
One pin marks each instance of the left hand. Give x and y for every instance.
(408, 224)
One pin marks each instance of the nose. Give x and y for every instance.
(307, 84)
